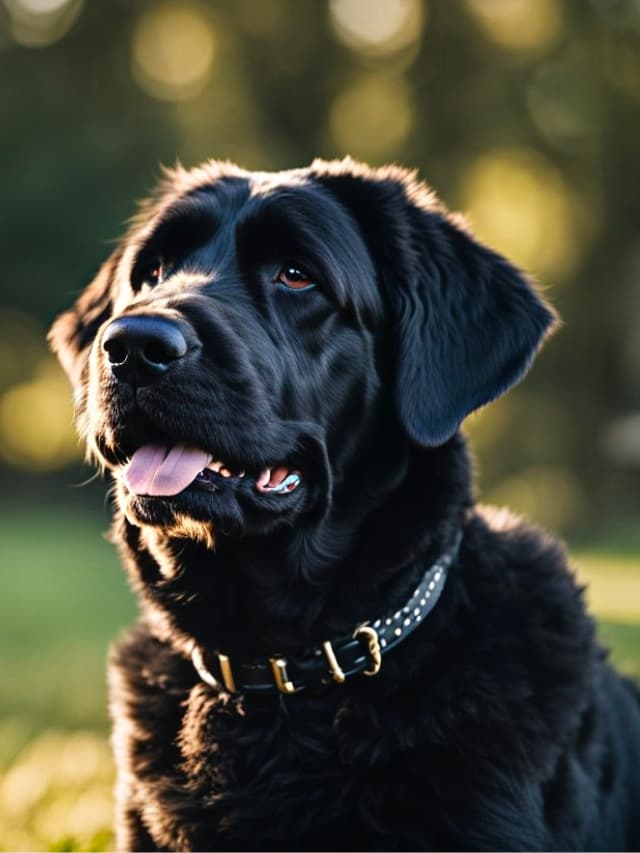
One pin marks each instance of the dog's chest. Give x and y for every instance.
(296, 777)
(271, 771)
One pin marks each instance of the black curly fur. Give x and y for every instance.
(498, 724)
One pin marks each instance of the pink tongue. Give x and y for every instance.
(156, 470)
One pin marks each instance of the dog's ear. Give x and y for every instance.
(467, 323)
(468, 326)
(73, 332)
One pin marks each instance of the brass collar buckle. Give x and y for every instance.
(336, 670)
(280, 676)
(225, 670)
(373, 647)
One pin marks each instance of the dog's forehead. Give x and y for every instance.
(292, 207)
(228, 182)
(231, 198)
(236, 195)
(292, 215)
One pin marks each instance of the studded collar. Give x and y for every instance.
(332, 661)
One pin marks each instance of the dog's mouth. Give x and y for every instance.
(242, 483)
(159, 470)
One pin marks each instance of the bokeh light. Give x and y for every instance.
(38, 23)
(378, 29)
(36, 421)
(549, 495)
(58, 790)
(518, 202)
(41, 7)
(519, 25)
(22, 346)
(621, 440)
(173, 51)
(372, 117)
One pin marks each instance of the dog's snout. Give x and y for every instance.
(140, 349)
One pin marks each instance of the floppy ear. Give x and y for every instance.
(72, 333)
(468, 326)
(466, 323)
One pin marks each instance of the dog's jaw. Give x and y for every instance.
(185, 527)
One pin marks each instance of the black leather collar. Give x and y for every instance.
(333, 661)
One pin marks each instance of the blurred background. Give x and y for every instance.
(523, 114)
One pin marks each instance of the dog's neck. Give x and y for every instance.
(299, 585)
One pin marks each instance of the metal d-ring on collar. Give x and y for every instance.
(333, 661)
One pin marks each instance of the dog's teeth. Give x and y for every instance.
(241, 474)
(290, 482)
(221, 469)
(264, 478)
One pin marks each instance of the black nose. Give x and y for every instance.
(141, 349)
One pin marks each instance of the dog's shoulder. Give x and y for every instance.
(520, 578)
(564, 706)
(148, 682)
(525, 632)
(524, 566)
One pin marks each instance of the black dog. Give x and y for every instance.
(336, 650)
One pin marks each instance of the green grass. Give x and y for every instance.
(64, 600)
(624, 643)
(613, 594)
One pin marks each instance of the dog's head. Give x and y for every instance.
(258, 340)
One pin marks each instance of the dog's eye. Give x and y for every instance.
(294, 278)
(154, 273)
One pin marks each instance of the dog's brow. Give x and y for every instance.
(198, 206)
(182, 226)
(285, 223)
(184, 279)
